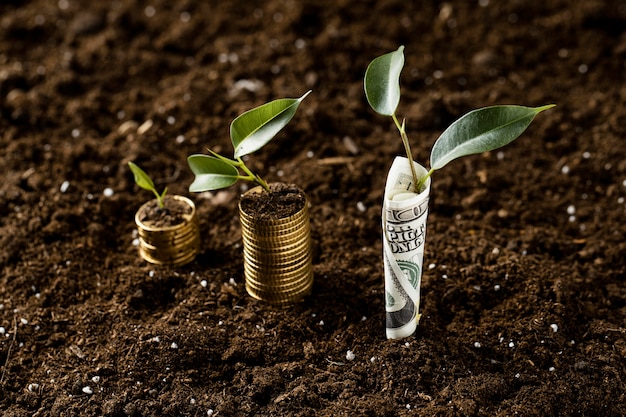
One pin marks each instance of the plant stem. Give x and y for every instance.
(422, 181)
(252, 176)
(159, 198)
(407, 149)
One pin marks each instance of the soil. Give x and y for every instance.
(524, 295)
(173, 212)
(282, 201)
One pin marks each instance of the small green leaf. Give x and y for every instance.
(141, 178)
(382, 82)
(482, 130)
(211, 173)
(253, 129)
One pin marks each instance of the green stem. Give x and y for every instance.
(421, 182)
(251, 176)
(407, 149)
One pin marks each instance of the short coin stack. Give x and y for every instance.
(173, 245)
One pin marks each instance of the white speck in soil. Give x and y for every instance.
(180, 139)
(2, 330)
(321, 323)
(551, 369)
(232, 282)
(24, 321)
(350, 355)
(554, 327)
(361, 207)
(203, 283)
(477, 345)
(497, 287)
(571, 219)
(495, 251)
(174, 345)
(95, 378)
(108, 192)
(87, 390)
(64, 186)
(135, 242)
(145, 126)
(151, 274)
(432, 266)
(571, 209)
(209, 412)
(511, 344)
(565, 170)
(33, 387)
(311, 154)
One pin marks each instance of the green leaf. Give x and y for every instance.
(141, 178)
(482, 130)
(211, 173)
(382, 82)
(253, 129)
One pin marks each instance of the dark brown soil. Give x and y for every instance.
(172, 213)
(282, 201)
(524, 296)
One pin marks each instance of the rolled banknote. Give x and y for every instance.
(404, 231)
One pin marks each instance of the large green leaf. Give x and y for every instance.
(253, 129)
(382, 82)
(482, 130)
(211, 173)
(141, 178)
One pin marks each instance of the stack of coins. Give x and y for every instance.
(277, 257)
(175, 245)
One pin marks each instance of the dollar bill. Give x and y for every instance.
(404, 232)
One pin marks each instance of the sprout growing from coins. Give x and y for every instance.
(144, 181)
(407, 190)
(249, 132)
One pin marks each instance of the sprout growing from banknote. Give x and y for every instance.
(249, 132)
(478, 131)
(405, 205)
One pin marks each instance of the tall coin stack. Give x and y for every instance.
(277, 257)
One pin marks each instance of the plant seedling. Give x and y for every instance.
(249, 132)
(144, 181)
(478, 131)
